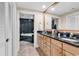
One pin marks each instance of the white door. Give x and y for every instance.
(5, 31)
(2, 29)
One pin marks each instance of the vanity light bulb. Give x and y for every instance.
(53, 9)
(44, 6)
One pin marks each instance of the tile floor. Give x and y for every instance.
(27, 49)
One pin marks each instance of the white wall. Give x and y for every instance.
(39, 22)
(48, 19)
(62, 23)
(69, 21)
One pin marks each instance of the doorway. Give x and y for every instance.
(27, 35)
(27, 28)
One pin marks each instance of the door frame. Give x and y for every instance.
(25, 11)
(13, 27)
(8, 33)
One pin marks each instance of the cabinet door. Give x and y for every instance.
(41, 47)
(40, 41)
(57, 51)
(47, 41)
(70, 48)
(47, 45)
(46, 50)
(67, 54)
(57, 43)
(44, 40)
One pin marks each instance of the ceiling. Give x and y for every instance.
(64, 8)
(37, 6)
(60, 9)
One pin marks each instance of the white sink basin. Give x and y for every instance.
(72, 40)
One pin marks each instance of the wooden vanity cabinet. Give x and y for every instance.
(47, 39)
(46, 50)
(53, 47)
(56, 48)
(72, 50)
(40, 41)
(57, 51)
(46, 46)
(65, 53)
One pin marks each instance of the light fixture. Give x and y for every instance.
(52, 9)
(44, 6)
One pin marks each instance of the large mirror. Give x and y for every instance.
(67, 18)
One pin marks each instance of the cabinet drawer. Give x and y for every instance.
(72, 49)
(57, 43)
(67, 54)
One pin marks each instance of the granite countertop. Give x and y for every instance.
(76, 44)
